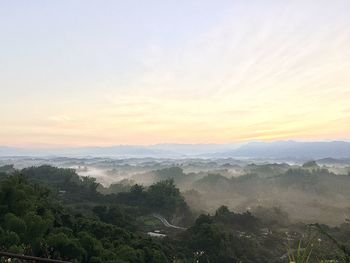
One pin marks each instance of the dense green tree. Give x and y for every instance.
(37, 226)
(15, 224)
(165, 198)
(82, 225)
(66, 248)
(92, 246)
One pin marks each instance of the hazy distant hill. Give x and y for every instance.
(122, 151)
(292, 149)
(282, 149)
(194, 149)
(125, 151)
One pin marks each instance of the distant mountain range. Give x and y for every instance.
(292, 149)
(280, 149)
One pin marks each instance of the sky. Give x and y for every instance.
(87, 73)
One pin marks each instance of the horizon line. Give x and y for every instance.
(57, 146)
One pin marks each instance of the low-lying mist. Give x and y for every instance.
(308, 192)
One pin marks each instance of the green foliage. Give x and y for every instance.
(7, 169)
(75, 187)
(310, 164)
(165, 198)
(342, 247)
(83, 225)
(174, 173)
(121, 186)
(206, 236)
(9, 238)
(65, 247)
(162, 197)
(15, 224)
(242, 222)
(92, 246)
(301, 255)
(128, 254)
(37, 226)
(34, 222)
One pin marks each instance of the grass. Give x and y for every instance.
(301, 255)
(149, 223)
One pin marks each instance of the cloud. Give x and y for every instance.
(264, 71)
(60, 118)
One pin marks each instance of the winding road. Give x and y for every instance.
(166, 223)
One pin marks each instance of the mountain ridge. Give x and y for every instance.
(277, 149)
